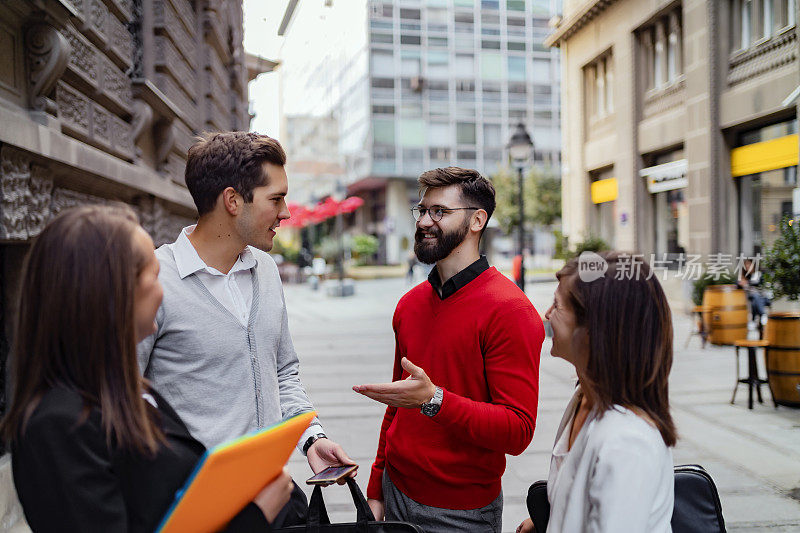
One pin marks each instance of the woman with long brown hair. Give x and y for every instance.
(93, 447)
(611, 468)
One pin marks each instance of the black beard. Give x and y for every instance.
(445, 244)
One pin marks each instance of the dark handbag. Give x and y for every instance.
(538, 506)
(697, 507)
(318, 520)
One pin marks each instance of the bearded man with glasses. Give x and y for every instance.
(465, 385)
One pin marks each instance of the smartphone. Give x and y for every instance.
(332, 474)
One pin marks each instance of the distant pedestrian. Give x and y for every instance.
(466, 371)
(611, 468)
(412, 263)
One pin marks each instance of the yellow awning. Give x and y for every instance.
(767, 155)
(604, 190)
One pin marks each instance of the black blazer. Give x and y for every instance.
(69, 479)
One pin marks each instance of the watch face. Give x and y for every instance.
(430, 409)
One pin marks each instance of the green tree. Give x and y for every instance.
(542, 191)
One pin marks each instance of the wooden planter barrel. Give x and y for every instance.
(783, 357)
(725, 316)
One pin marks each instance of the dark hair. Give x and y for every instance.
(475, 189)
(75, 326)
(630, 336)
(229, 159)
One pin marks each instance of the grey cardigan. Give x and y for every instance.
(224, 380)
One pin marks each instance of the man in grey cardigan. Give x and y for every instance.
(222, 354)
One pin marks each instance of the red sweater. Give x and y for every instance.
(481, 345)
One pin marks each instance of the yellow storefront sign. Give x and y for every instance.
(604, 190)
(763, 156)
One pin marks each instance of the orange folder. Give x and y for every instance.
(230, 475)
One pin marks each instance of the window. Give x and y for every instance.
(383, 109)
(382, 10)
(412, 132)
(599, 77)
(439, 154)
(382, 63)
(437, 42)
(464, 18)
(515, 5)
(492, 135)
(755, 20)
(381, 38)
(516, 68)
(465, 65)
(410, 63)
(383, 131)
(410, 39)
(491, 66)
(516, 46)
(438, 63)
(465, 133)
(661, 45)
(383, 83)
(441, 133)
(410, 14)
(541, 69)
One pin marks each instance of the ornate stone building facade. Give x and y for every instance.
(99, 101)
(679, 123)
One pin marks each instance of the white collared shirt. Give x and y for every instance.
(617, 477)
(233, 290)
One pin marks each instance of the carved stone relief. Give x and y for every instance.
(83, 56)
(116, 85)
(773, 54)
(48, 52)
(25, 192)
(163, 226)
(73, 108)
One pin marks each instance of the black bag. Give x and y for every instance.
(318, 520)
(697, 506)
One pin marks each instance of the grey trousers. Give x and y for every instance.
(487, 519)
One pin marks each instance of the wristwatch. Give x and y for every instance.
(311, 440)
(432, 407)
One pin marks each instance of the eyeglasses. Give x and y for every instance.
(436, 212)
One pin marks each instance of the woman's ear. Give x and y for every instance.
(580, 347)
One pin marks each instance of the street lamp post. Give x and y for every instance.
(519, 148)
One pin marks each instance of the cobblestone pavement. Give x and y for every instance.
(754, 456)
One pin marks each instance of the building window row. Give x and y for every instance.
(662, 49)
(755, 20)
(599, 83)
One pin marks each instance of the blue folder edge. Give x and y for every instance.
(200, 462)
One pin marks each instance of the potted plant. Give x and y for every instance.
(781, 266)
(782, 275)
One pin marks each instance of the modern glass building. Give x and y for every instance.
(420, 84)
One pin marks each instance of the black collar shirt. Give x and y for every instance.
(458, 281)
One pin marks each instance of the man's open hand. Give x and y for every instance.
(410, 393)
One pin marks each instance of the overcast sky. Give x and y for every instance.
(261, 21)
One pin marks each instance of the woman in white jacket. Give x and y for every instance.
(611, 468)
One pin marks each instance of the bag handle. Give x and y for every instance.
(318, 514)
(363, 512)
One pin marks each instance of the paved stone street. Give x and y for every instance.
(754, 456)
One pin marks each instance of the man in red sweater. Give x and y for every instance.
(465, 384)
